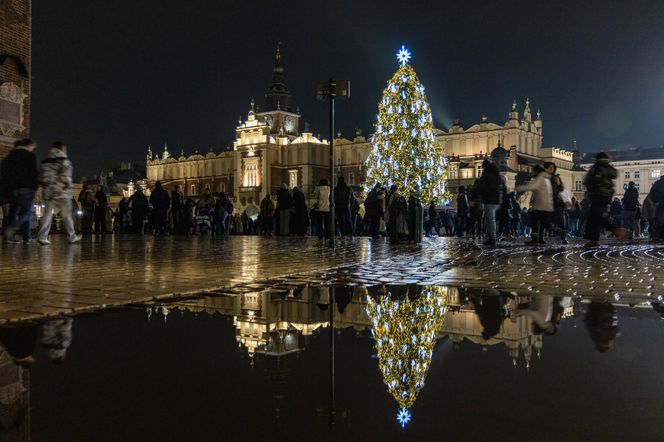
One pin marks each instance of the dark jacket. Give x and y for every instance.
(284, 199)
(19, 170)
(599, 179)
(462, 205)
(631, 199)
(342, 195)
(102, 200)
(657, 191)
(139, 204)
(490, 187)
(159, 199)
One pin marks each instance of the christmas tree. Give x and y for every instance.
(405, 329)
(405, 151)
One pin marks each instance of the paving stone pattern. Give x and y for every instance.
(103, 272)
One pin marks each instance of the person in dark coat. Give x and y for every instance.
(490, 189)
(559, 208)
(602, 324)
(177, 210)
(630, 203)
(284, 205)
(342, 200)
(267, 214)
(161, 202)
(373, 211)
(599, 183)
(300, 221)
(432, 215)
(463, 213)
(100, 211)
(123, 212)
(139, 210)
(20, 180)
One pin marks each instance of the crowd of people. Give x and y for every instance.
(540, 209)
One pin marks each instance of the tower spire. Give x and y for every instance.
(277, 94)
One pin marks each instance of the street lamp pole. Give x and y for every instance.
(332, 90)
(332, 221)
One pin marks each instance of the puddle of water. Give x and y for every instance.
(410, 363)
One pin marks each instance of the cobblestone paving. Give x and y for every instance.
(102, 272)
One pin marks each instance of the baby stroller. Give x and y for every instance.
(203, 221)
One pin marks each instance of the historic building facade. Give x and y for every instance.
(271, 148)
(15, 68)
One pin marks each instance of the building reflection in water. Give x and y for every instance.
(406, 321)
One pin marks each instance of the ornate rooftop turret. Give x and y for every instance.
(526, 111)
(149, 154)
(166, 154)
(514, 113)
(277, 96)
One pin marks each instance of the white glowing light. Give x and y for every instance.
(403, 417)
(403, 55)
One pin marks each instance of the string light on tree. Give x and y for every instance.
(405, 151)
(405, 329)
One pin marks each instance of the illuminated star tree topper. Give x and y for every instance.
(405, 151)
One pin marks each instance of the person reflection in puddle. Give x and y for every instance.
(659, 308)
(545, 313)
(602, 324)
(56, 338)
(20, 341)
(489, 306)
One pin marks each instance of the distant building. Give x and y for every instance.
(271, 149)
(15, 71)
(643, 166)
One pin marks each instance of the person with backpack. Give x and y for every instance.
(20, 180)
(599, 183)
(161, 202)
(56, 180)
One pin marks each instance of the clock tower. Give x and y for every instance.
(278, 113)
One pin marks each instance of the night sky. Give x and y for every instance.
(112, 78)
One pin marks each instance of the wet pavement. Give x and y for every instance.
(103, 272)
(411, 362)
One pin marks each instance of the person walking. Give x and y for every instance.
(284, 206)
(541, 201)
(56, 180)
(139, 211)
(657, 196)
(373, 211)
(161, 202)
(177, 210)
(267, 214)
(599, 183)
(630, 204)
(397, 223)
(463, 212)
(322, 205)
(490, 190)
(300, 221)
(342, 200)
(649, 213)
(615, 212)
(20, 177)
(86, 199)
(100, 211)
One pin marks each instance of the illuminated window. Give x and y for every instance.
(222, 187)
(292, 178)
(655, 173)
(193, 189)
(578, 186)
(251, 173)
(351, 178)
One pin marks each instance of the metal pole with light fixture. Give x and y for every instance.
(332, 90)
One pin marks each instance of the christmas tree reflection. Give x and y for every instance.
(406, 321)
